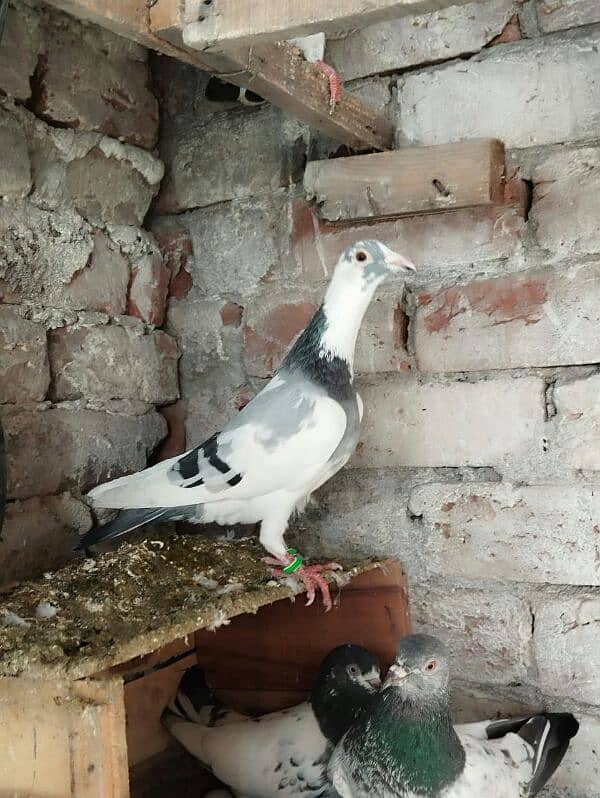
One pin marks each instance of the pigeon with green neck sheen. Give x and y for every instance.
(405, 745)
(283, 754)
(290, 439)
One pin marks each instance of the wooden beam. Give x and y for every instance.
(408, 181)
(222, 24)
(277, 72)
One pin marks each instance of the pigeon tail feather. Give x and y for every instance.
(549, 735)
(125, 521)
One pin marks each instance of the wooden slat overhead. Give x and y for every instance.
(276, 71)
(221, 24)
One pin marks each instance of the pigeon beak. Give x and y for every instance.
(396, 262)
(396, 675)
(373, 678)
(401, 264)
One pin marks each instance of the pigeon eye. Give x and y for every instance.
(353, 670)
(430, 666)
(361, 256)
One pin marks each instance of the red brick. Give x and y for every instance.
(95, 80)
(231, 314)
(102, 284)
(266, 341)
(175, 415)
(148, 289)
(516, 321)
(432, 241)
(176, 247)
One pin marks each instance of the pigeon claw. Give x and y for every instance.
(310, 576)
(335, 84)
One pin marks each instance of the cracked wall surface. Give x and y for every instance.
(478, 465)
(83, 287)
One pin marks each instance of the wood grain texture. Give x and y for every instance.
(408, 181)
(225, 23)
(276, 71)
(63, 739)
(270, 660)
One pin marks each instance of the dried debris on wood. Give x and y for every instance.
(101, 612)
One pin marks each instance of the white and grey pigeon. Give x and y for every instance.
(405, 745)
(282, 754)
(290, 439)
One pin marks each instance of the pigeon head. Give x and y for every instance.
(421, 670)
(367, 263)
(348, 678)
(350, 665)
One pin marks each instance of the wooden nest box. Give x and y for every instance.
(91, 654)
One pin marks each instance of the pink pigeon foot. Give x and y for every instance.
(335, 84)
(309, 575)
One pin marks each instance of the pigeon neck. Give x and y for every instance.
(344, 307)
(420, 740)
(337, 707)
(332, 372)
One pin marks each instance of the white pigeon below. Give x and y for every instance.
(283, 754)
(290, 439)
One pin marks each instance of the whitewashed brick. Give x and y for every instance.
(553, 15)
(566, 647)
(565, 212)
(417, 39)
(237, 245)
(15, 172)
(109, 362)
(534, 533)
(486, 423)
(488, 633)
(211, 159)
(39, 534)
(54, 450)
(540, 318)
(381, 343)
(517, 93)
(574, 432)
(579, 772)
(24, 373)
(19, 50)
(435, 242)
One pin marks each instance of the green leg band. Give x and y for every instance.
(296, 563)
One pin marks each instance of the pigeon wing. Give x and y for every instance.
(281, 440)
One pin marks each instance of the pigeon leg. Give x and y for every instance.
(335, 84)
(309, 575)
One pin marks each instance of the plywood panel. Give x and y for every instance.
(271, 659)
(63, 740)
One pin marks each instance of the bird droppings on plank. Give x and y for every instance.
(129, 602)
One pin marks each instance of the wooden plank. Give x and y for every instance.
(408, 181)
(63, 739)
(270, 660)
(222, 24)
(277, 72)
(147, 695)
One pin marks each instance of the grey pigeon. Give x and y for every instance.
(405, 745)
(283, 753)
(290, 439)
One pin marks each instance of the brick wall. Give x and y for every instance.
(479, 459)
(82, 284)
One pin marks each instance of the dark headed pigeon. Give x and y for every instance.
(282, 754)
(290, 439)
(405, 746)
